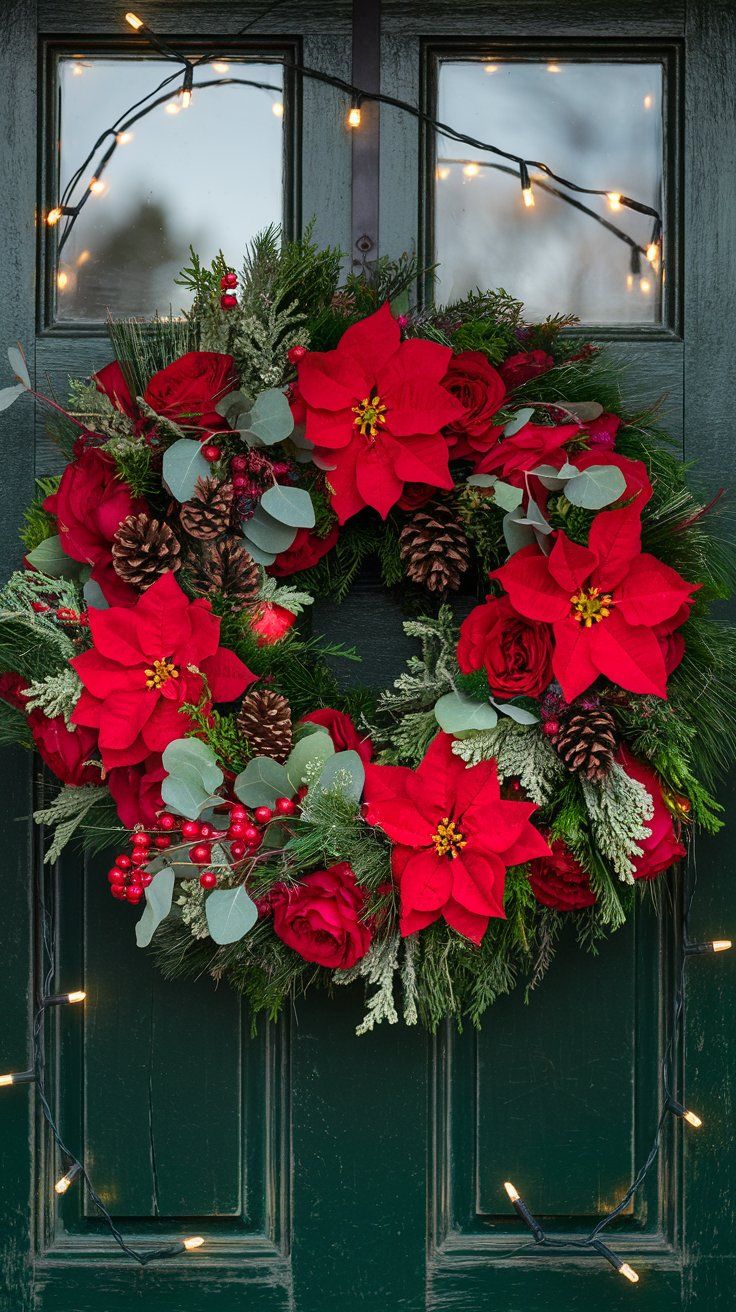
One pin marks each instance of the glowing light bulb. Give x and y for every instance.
(97, 186)
(195, 1241)
(652, 252)
(645, 286)
(692, 1119)
(63, 1184)
(220, 66)
(648, 101)
(78, 995)
(442, 172)
(490, 68)
(17, 1077)
(82, 258)
(6, 1080)
(721, 944)
(171, 108)
(123, 138)
(629, 281)
(77, 70)
(354, 116)
(277, 109)
(614, 200)
(134, 21)
(471, 170)
(553, 68)
(53, 216)
(528, 195)
(62, 280)
(186, 99)
(629, 1273)
(512, 1191)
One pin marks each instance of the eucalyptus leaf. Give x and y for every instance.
(19, 366)
(267, 533)
(555, 479)
(289, 505)
(259, 556)
(158, 905)
(270, 419)
(343, 773)
(230, 914)
(94, 596)
(482, 480)
(534, 517)
(584, 411)
(506, 496)
(323, 464)
(300, 439)
(261, 782)
(192, 754)
(50, 558)
(10, 394)
(455, 714)
(183, 793)
(520, 418)
(235, 403)
(596, 487)
(516, 713)
(316, 747)
(183, 464)
(516, 534)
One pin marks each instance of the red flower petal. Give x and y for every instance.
(651, 592)
(375, 478)
(345, 498)
(572, 661)
(332, 429)
(102, 678)
(371, 341)
(422, 459)
(532, 589)
(478, 882)
(114, 640)
(333, 380)
(570, 564)
(125, 714)
(629, 656)
(418, 407)
(465, 922)
(615, 537)
(426, 882)
(226, 675)
(428, 362)
(162, 619)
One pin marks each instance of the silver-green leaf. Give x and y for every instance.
(158, 905)
(230, 914)
(183, 464)
(316, 747)
(455, 714)
(270, 419)
(343, 773)
(262, 782)
(289, 505)
(596, 487)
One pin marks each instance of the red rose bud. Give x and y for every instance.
(271, 623)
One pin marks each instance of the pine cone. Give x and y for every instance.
(143, 549)
(264, 722)
(434, 548)
(586, 740)
(225, 567)
(207, 515)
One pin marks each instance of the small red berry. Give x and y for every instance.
(162, 841)
(208, 879)
(200, 854)
(122, 861)
(134, 893)
(228, 301)
(237, 851)
(119, 891)
(285, 806)
(116, 876)
(145, 878)
(255, 842)
(141, 856)
(237, 830)
(229, 279)
(141, 840)
(240, 482)
(211, 453)
(263, 814)
(190, 829)
(167, 821)
(239, 814)
(250, 833)
(551, 727)
(206, 831)
(296, 353)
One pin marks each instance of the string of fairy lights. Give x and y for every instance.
(531, 174)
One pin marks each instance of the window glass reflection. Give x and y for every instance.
(597, 123)
(210, 175)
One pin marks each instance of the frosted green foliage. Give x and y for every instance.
(521, 751)
(66, 813)
(56, 694)
(619, 809)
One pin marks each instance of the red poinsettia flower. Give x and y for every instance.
(662, 847)
(146, 662)
(533, 445)
(606, 603)
(375, 407)
(454, 837)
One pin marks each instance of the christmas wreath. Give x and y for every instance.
(544, 756)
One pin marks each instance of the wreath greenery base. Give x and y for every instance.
(536, 765)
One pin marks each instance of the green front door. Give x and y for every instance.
(328, 1172)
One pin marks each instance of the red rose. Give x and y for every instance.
(559, 881)
(188, 390)
(320, 917)
(137, 791)
(518, 369)
(516, 652)
(66, 753)
(480, 389)
(89, 505)
(306, 549)
(601, 432)
(533, 445)
(145, 664)
(663, 847)
(271, 622)
(342, 731)
(111, 382)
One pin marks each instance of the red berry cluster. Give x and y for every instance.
(128, 877)
(228, 282)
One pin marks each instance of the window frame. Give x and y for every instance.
(51, 52)
(666, 53)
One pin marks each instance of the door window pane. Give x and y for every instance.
(597, 123)
(211, 175)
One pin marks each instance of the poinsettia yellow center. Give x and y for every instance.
(590, 606)
(448, 841)
(159, 673)
(370, 413)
